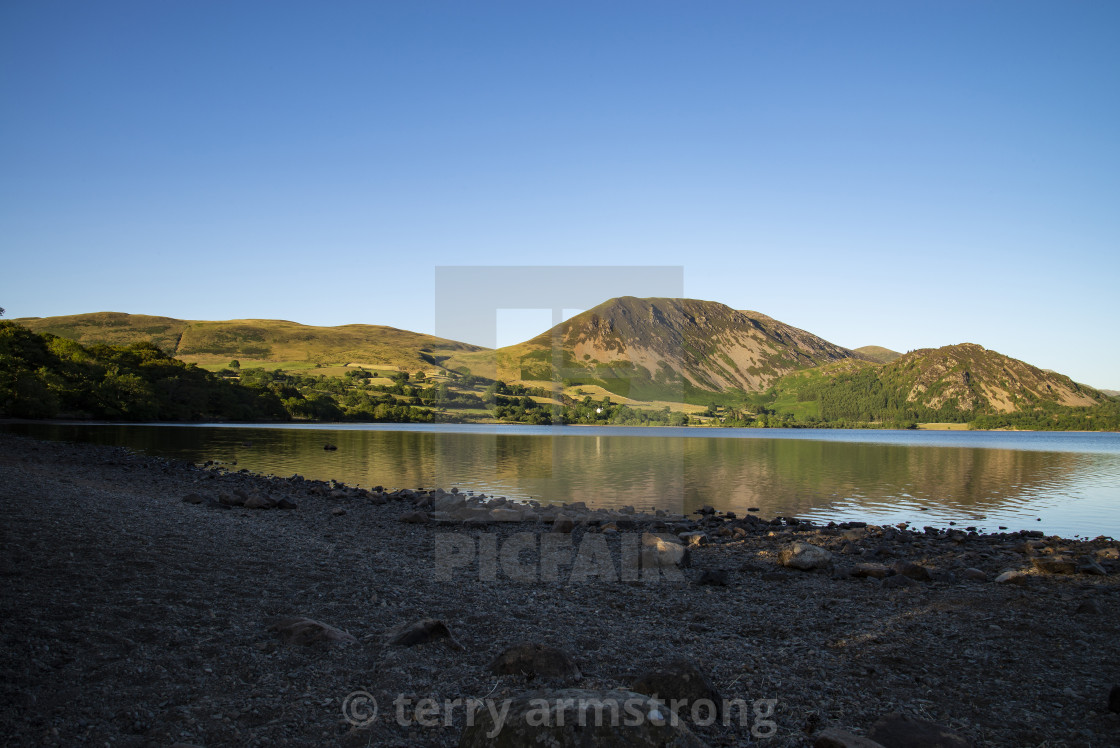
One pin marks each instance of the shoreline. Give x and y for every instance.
(134, 616)
(329, 424)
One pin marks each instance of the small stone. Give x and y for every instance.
(579, 717)
(694, 538)
(338, 511)
(678, 682)
(664, 552)
(1090, 607)
(835, 738)
(900, 731)
(898, 581)
(1053, 565)
(421, 632)
(1114, 699)
(804, 556)
(414, 518)
(305, 631)
(877, 571)
(285, 504)
(714, 577)
(974, 575)
(1013, 577)
(563, 523)
(259, 501)
(912, 570)
(193, 498)
(1087, 565)
(536, 660)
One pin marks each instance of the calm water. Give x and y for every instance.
(1064, 483)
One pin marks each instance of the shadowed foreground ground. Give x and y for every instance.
(131, 618)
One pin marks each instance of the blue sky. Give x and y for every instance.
(906, 174)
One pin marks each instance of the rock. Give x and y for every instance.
(876, 571)
(694, 538)
(1087, 565)
(305, 631)
(657, 551)
(974, 575)
(329, 447)
(714, 577)
(258, 501)
(285, 504)
(338, 511)
(563, 523)
(506, 514)
(421, 632)
(677, 685)
(193, 498)
(1114, 699)
(804, 556)
(231, 499)
(1054, 565)
(898, 582)
(706, 510)
(900, 731)
(942, 576)
(912, 570)
(574, 718)
(835, 738)
(414, 518)
(1090, 607)
(1013, 577)
(536, 660)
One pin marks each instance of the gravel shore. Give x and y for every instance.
(131, 617)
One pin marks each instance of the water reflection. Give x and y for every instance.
(1071, 491)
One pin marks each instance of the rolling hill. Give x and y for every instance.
(876, 353)
(256, 340)
(648, 350)
(951, 384)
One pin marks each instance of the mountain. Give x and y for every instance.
(255, 340)
(954, 383)
(876, 353)
(657, 348)
(981, 380)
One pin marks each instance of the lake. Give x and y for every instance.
(1061, 483)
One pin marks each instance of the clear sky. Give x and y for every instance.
(905, 174)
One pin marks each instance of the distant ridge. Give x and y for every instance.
(655, 349)
(876, 353)
(201, 341)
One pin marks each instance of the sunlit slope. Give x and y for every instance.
(953, 383)
(657, 348)
(257, 339)
(876, 353)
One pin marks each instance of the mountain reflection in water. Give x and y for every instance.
(1070, 481)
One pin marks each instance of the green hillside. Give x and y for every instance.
(257, 341)
(876, 354)
(955, 384)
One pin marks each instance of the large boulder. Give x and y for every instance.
(575, 718)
